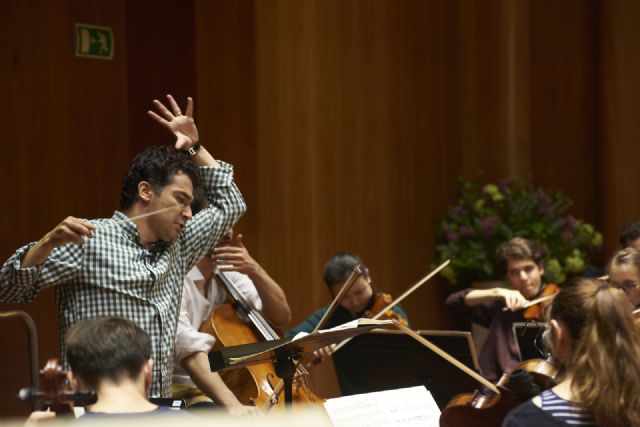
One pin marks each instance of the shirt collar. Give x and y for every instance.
(130, 229)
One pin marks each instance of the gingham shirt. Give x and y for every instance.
(113, 275)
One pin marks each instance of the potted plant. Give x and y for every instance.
(487, 215)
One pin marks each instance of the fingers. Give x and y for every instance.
(189, 112)
(157, 118)
(174, 106)
(237, 241)
(168, 115)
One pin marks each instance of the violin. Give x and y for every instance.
(478, 409)
(380, 301)
(257, 384)
(536, 309)
(56, 392)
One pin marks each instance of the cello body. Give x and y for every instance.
(256, 384)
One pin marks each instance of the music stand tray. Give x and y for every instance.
(391, 360)
(285, 351)
(527, 335)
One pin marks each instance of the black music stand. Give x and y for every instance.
(391, 360)
(528, 336)
(285, 351)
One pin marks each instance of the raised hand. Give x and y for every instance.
(235, 257)
(182, 126)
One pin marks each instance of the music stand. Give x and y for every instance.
(527, 336)
(285, 351)
(390, 360)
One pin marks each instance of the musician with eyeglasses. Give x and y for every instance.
(624, 273)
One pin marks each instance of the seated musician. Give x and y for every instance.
(193, 380)
(110, 356)
(624, 273)
(359, 299)
(593, 336)
(521, 262)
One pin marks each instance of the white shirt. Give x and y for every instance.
(195, 308)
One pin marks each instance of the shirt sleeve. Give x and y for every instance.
(188, 339)
(21, 285)
(481, 314)
(207, 227)
(245, 286)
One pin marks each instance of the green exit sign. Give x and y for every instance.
(93, 41)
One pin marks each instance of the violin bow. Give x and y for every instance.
(348, 284)
(446, 356)
(400, 298)
(534, 302)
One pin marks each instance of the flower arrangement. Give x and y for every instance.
(488, 215)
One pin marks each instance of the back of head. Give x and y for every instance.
(606, 350)
(107, 348)
(517, 249)
(157, 166)
(629, 233)
(340, 266)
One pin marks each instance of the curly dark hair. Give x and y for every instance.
(157, 166)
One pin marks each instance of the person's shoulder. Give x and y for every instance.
(528, 414)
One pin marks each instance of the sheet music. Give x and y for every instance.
(413, 406)
(349, 325)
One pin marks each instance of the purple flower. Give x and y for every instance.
(570, 223)
(506, 183)
(545, 202)
(465, 231)
(489, 225)
(457, 211)
(452, 236)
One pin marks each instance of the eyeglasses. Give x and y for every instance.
(626, 286)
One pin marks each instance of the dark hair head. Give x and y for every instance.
(107, 348)
(157, 166)
(629, 233)
(517, 249)
(340, 266)
(199, 200)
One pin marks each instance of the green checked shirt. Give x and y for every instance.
(113, 275)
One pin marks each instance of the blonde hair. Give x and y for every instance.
(606, 352)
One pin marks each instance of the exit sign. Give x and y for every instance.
(93, 41)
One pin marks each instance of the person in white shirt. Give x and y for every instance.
(193, 379)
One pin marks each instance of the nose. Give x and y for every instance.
(187, 213)
(523, 275)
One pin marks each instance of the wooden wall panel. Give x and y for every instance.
(619, 109)
(65, 138)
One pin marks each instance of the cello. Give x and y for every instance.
(258, 384)
(479, 409)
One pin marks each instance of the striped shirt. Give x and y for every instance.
(564, 410)
(113, 275)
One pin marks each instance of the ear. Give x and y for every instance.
(367, 275)
(147, 370)
(560, 337)
(145, 191)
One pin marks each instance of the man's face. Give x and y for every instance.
(168, 225)
(524, 275)
(635, 244)
(358, 296)
(626, 277)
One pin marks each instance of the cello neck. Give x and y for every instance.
(256, 319)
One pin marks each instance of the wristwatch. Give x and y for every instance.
(194, 149)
